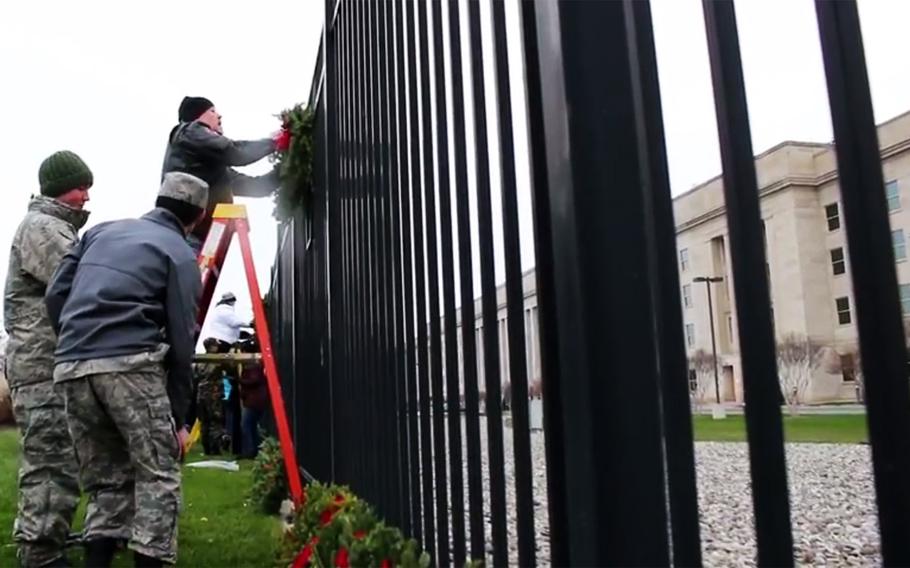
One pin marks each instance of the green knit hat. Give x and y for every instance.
(61, 172)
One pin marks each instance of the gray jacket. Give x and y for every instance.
(127, 288)
(196, 149)
(48, 231)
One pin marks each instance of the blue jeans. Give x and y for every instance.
(250, 425)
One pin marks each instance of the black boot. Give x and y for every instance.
(143, 561)
(99, 553)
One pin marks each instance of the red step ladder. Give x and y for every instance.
(228, 220)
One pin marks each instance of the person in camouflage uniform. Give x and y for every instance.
(209, 401)
(123, 302)
(48, 476)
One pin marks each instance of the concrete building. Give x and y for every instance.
(808, 264)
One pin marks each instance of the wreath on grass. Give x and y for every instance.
(270, 482)
(295, 165)
(335, 528)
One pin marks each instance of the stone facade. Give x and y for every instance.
(808, 264)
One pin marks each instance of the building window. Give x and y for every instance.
(687, 296)
(838, 263)
(684, 260)
(848, 368)
(893, 193)
(900, 245)
(905, 299)
(832, 213)
(690, 334)
(843, 310)
(693, 382)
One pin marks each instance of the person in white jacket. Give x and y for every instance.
(226, 324)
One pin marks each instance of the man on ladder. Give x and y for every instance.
(198, 146)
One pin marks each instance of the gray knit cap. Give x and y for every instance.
(185, 187)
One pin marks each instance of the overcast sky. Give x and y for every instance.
(104, 79)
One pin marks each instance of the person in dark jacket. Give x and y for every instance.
(197, 146)
(123, 304)
(254, 396)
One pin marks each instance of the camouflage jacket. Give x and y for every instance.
(46, 234)
(211, 388)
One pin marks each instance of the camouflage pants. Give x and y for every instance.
(128, 458)
(48, 476)
(211, 416)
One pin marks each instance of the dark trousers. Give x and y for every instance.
(232, 423)
(251, 418)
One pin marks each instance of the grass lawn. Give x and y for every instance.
(833, 428)
(217, 527)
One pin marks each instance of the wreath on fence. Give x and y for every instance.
(335, 528)
(295, 166)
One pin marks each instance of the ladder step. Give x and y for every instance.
(226, 357)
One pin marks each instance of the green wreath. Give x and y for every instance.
(295, 166)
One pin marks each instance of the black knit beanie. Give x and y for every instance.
(192, 108)
(61, 172)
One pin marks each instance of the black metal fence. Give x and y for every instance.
(364, 291)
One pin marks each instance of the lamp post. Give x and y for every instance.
(708, 280)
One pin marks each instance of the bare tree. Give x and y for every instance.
(703, 364)
(507, 396)
(536, 389)
(858, 374)
(798, 357)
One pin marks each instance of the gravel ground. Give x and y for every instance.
(832, 503)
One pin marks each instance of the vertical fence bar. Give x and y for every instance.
(347, 260)
(368, 377)
(404, 157)
(548, 339)
(381, 437)
(466, 275)
(677, 419)
(614, 486)
(448, 285)
(346, 293)
(333, 192)
(400, 339)
(488, 297)
(349, 222)
(423, 362)
(875, 290)
(347, 240)
(518, 372)
(356, 325)
(362, 279)
(390, 384)
(436, 383)
(385, 394)
(372, 261)
(750, 281)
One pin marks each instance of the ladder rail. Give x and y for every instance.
(229, 220)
